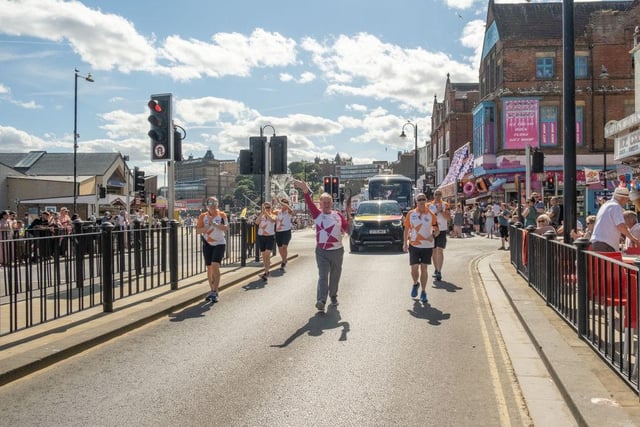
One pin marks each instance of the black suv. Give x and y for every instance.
(377, 223)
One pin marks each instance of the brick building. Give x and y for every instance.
(521, 82)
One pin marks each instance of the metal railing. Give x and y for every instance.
(51, 275)
(596, 293)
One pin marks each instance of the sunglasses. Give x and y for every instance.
(421, 200)
(212, 203)
(267, 207)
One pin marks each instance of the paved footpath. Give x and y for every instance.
(554, 368)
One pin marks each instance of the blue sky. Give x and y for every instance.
(337, 76)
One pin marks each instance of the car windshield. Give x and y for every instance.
(379, 209)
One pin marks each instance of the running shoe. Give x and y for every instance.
(334, 301)
(423, 297)
(438, 276)
(414, 290)
(320, 305)
(264, 276)
(212, 297)
(283, 265)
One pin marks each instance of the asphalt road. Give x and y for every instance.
(264, 357)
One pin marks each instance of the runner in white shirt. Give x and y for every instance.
(283, 230)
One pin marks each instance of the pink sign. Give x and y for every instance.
(521, 124)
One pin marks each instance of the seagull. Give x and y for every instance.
(459, 16)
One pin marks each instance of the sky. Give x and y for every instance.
(336, 76)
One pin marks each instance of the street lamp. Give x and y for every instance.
(75, 136)
(604, 74)
(267, 164)
(415, 147)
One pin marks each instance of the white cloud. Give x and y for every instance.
(473, 37)
(18, 141)
(30, 105)
(364, 66)
(306, 77)
(105, 41)
(357, 107)
(286, 77)
(4, 89)
(228, 54)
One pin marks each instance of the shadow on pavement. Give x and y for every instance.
(190, 312)
(431, 314)
(447, 286)
(318, 324)
(256, 284)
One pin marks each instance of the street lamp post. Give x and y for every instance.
(415, 148)
(75, 136)
(603, 76)
(267, 164)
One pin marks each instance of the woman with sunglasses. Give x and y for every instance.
(212, 225)
(266, 222)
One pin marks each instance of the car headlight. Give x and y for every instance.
(397, 223)
(358, 223)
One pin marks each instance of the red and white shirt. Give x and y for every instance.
(420, 226)
(213, 236)
(329, 227)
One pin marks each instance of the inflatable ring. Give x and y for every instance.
(481, 186)
(469, 188)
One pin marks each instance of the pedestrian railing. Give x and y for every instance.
(596, 293)
(50, 276)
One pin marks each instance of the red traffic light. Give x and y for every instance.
(155, 106)
(326, 180)
(335, 180)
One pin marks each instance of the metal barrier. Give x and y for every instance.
(54, 275)
(596, 293)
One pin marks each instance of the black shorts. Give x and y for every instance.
(265, 243)
(504, 231)
(441, 240)
(283, 237)
(419, 255)
(213, 253)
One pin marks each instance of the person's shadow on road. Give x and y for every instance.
(190, 312)
(256, 284)
(447, 286)
(318, 324)
(431, 314)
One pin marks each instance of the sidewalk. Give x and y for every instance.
(555, 359)
(549, 361)
(35, 348)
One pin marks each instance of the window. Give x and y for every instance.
(581, 67)
(544, 67)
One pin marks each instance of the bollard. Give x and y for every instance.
(107, 267)
(173, 254)
(581, 282)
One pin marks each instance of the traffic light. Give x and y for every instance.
(335, 187)
(143, 196)
(537, 166)
(278, 155)
(161, 130)
(138, 183)
(245, 162)
(327, 184)
(256, 145)
(153, 198)
(103, 192)
(551, 182)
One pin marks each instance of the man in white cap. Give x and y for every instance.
(610, 224)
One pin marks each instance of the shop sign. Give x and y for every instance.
(615, 127)
(627, 146)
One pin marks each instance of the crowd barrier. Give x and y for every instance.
(596, 293)
(50, 275)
